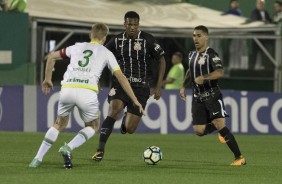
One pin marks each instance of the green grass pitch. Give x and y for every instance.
(187, 158)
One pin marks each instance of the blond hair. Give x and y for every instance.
(99, 31)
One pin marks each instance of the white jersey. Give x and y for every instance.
(87, 61)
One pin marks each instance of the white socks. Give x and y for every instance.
(50, 137)
(82, 136)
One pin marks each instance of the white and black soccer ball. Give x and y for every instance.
(152, 155)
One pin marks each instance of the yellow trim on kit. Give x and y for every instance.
(94, 88)
(116, 68)
(95, 42)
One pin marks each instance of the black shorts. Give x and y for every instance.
(142, 94)
(204, 112)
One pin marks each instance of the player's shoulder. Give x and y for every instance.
(102, 48)
(119, 35)
(147, 35)
(80, 43)
(191, 53)
(211, 51)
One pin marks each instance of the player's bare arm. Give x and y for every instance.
(158, 89)
(47, 84)
(168, 81)
(184, 85)
(126, 87)
(211, 76)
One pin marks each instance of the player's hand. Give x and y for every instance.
(47, 86)
(157, 92)
(141, 110)
(199, 80)
(182, 94)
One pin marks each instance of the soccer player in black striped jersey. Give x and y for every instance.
(208, 111)
(135, 50)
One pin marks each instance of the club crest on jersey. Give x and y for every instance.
(137, 46)
(202, 60)
(112, 92)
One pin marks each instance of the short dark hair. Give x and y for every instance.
(202, 28)
(179, 54)
(131, 14)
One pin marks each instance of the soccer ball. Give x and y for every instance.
(152, 155)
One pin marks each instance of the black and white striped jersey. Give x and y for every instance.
(201, 64)
(135, 56)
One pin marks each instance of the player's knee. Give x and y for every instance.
(199, 131)
(94, 124)
(130, 130)
(219, 123)
(200, 134)
(131, 127)
(114, 113)
(61, 122)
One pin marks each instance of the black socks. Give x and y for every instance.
(230, 141)
(105, 132)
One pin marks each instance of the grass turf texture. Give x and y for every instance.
(186, 159)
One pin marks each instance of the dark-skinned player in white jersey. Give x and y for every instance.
(208, 111)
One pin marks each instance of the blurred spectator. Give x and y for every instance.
(234, 46)
(277, 17)
(175, 75)
(233, 8)
(258, 59)
(259, 13)
(4, 5)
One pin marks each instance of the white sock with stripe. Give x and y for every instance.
(82, 136)
(50, 137)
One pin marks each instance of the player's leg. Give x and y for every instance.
(218, 114)
(230, 141)
(88, 107)
(199, 118)
(82, 136)
(132, 117)
(49, 138)
(115, 108)
(65, 106)
(130, 123)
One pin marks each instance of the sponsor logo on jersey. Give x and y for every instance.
(134, 79)
(78, 80)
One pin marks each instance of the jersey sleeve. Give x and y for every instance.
(215, 61)
(66, 52)
(112, 62)
(63, 53)
(155, 48)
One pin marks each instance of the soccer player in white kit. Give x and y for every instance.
(80, 88)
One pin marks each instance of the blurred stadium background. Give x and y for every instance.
(252, 96)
